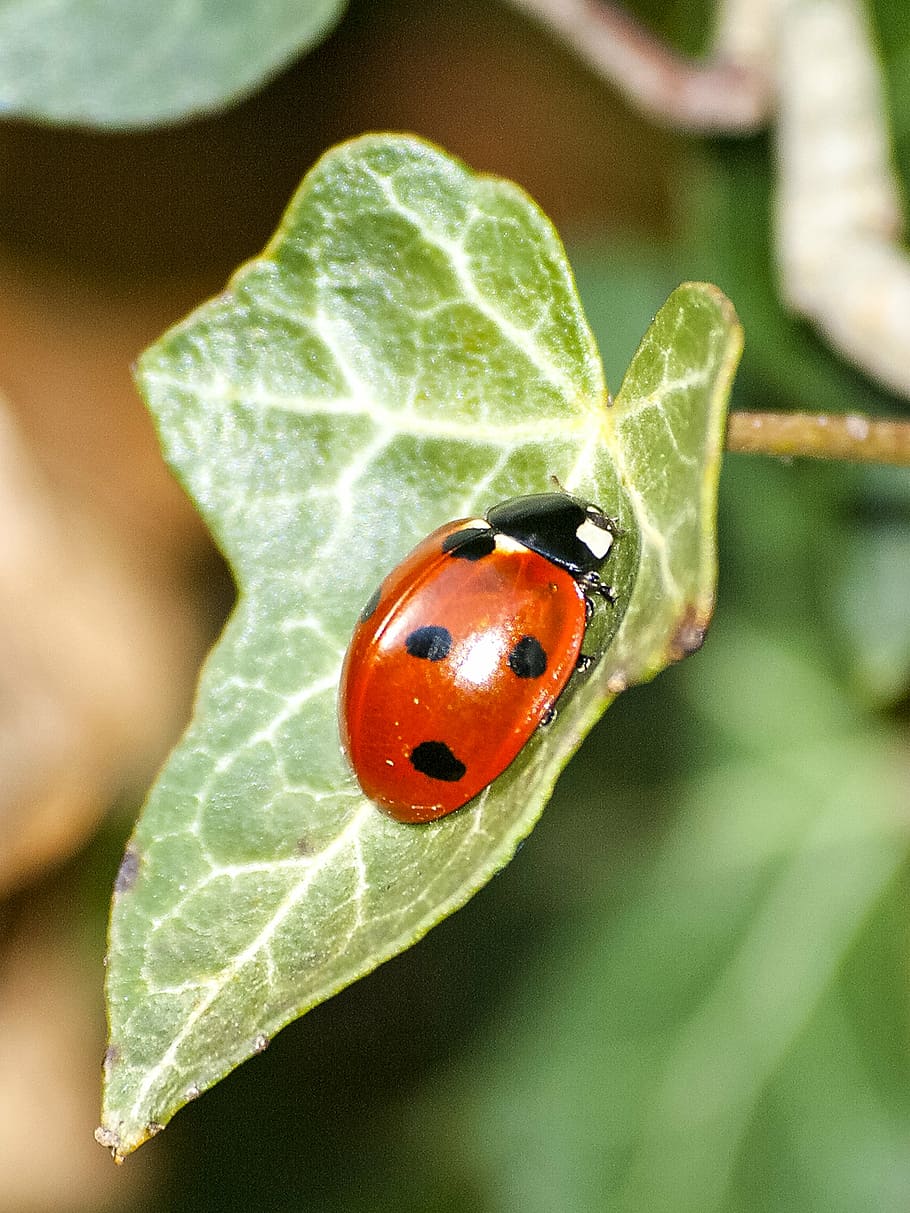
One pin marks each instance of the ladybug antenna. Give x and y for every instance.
(555, 481)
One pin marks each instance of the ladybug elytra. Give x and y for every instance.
(463, 651)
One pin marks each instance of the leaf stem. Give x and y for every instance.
(849, 436)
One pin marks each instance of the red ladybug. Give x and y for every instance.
(465, 647)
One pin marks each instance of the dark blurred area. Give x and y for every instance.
(688, 992)
(479, 79)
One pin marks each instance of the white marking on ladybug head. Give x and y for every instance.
(596, 537)
(505, 543)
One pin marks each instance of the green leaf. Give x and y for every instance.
(409, 349)
(126, 63)
(868, 552)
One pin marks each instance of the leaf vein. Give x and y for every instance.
(253, 949)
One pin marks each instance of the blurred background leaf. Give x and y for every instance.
(678, 834)
(123, 63)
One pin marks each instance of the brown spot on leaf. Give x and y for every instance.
(129, 870)
(111, 1057)
(261, 1043)
(690, 635)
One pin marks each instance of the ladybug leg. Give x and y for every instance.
(584, 663)
(548, 717)
(592, 584)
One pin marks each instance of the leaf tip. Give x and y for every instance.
(111, 1141)
(725, 308)
(121, 1146)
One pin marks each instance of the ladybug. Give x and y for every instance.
(466, 646)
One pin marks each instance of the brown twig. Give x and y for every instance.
(820, 436)
(719, 93)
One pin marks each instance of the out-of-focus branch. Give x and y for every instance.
(838, 204)
(727, 91)
(820, 436)
(812, 64)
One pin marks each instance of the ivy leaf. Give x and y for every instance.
(408, 349)
(126, 63)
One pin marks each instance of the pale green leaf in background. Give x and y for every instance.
(409, 349)
(128, 63)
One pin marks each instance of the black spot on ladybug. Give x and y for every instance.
(435, 760)
(473, 543)
(432, 643)
(371, 606)
(527, 658)
(128, 871)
